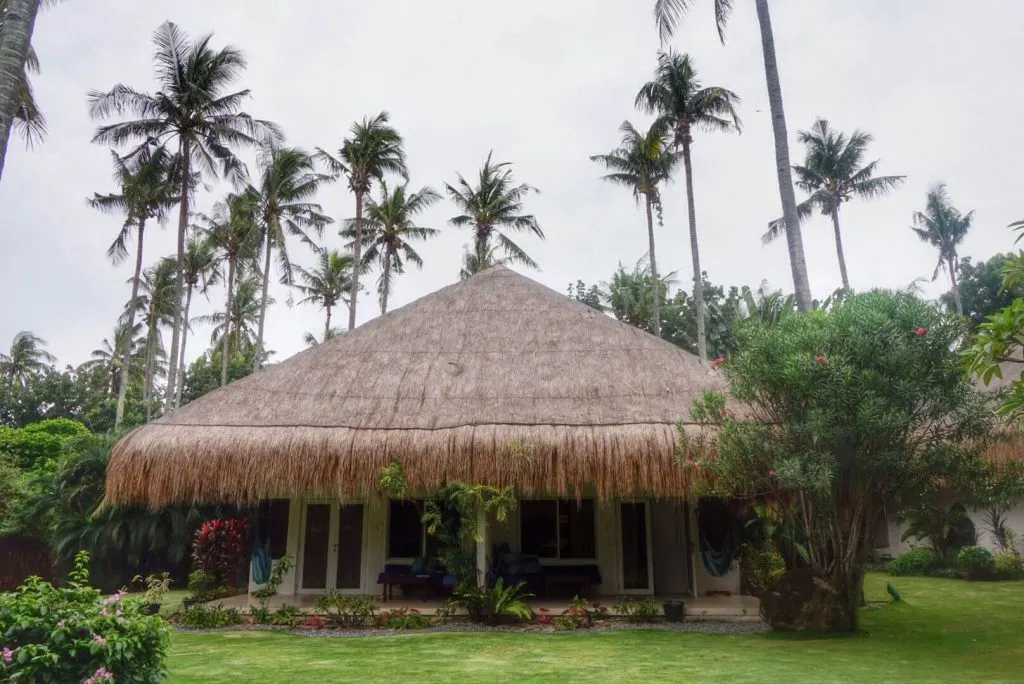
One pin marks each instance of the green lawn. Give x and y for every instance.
(945, 631)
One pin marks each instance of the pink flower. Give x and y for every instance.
(771, 473)
(100, 675)
(820, 359)
(920, 331)
(718, 362)
(8, 655)
(98, 639)
(61, 623)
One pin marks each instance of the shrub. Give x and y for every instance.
(579, 615)
(201, 584)
(637, 610)
(491, 605)
(157, 585)
(403, 618)
(445, 611)
(260, 615)
(209, 617)
(946, 573)
(286, 616)
(346, 611)
(976, 562)
(73, 634)
(220, 548)
(919, 561)
(760, 568)
(1009, 565)
(281, 568)
(313, 622)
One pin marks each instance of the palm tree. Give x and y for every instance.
(233, 234)
(201, 270)
(29, 120)
(474, 261)
(239, 323)
(192, 111)
(388, 228)
(374, 149)
(109, 358)
(495, 203)
(833, 173)
(328, 283)
(288, 179)
(629, 294)
(311, 340)
(26, 358)
(642, 162)
(667, 14)
(147, 192)
(157, 303)
(17, 21)
(680, 99)
(942, 226)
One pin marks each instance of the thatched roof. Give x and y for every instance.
(496, 379)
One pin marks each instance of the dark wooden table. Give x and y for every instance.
(421, 582)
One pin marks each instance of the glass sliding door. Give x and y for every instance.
(634, 545)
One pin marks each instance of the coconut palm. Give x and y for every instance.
(642, 162)
(157, 302)
(473, 261)
(193, 112)
(678, 96)
(943, 226)
(629, 294)
(240, 322)
(26, 358)
(493, 205)
(667, 14)
(17, 21)
(311, 340)
(328, 283)
(232, 231)
(201, 269)
(147, 191)
(388, 228)
(373, 149)
(29, 120)
(834, 172)
(288, 180)
(109, 357)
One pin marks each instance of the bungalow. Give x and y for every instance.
(495, 380)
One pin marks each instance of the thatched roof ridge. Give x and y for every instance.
(495, 379)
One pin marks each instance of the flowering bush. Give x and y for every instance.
(220, 548)
(73, 634)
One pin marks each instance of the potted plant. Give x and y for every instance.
(675, 611)
(157, 585)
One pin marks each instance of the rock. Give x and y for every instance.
(802, 599)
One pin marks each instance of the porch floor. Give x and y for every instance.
(733, 608)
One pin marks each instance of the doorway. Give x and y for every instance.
(636, 568)
(332, 542)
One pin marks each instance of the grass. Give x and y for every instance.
(943, 631)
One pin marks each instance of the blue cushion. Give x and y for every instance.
(419, 566)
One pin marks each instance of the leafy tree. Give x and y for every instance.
(834, 172)
(373, 149)
(192, 111)
(147, 191)
(943, 226)
(848, 410)
(641, 163)
(491, 209)
(203, 375)
(233, 234)
(667, 14)
(39, 443)
(681, 100)
(288, 181)
(388, 229)
(17, 20)
(26, 357)
(981, 288)
(328, 283)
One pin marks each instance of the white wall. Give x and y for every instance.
(1015, 521)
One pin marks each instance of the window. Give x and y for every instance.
(558, 529)
(273, 522)
(407, 536)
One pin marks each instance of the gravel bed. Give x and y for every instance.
(702, 627)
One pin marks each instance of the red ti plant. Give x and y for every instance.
(220, 548)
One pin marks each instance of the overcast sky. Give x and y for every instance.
(545, 83)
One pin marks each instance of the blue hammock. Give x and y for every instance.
(260, 562)
(717, 561)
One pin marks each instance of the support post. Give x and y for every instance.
(483, 541)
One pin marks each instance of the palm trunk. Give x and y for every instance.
(839, 249)
(385, 285)
(227, 324)
(794, 239)
(655, 284)
(258, 360)
(172, 367)
(698, 277)
(19, 21)
(956, 286)
(327, 325)
(126, 355)
(150, 358)
(357, 252)
(184, 339)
